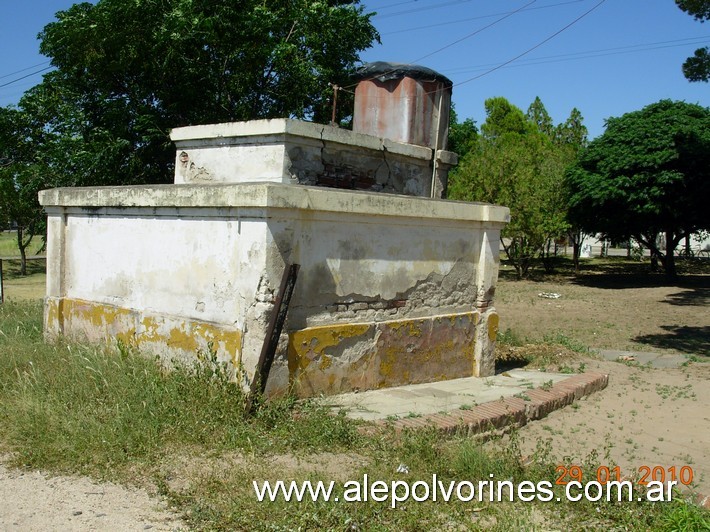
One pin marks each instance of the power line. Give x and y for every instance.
(458, 40)
(426, 8)
(533, 47)
(474, 32)
(588, 54)
(428, 26)
(27, 76)
(23, 70)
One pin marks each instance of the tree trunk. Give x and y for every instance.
(669, 263)
(547, 261)
(22, 247)
(650, 242)
(513, 253)
(576, 238)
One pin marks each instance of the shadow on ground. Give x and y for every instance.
(615, 273)
(690, 340)
(614, 281)
(698, 296)
(11, 267)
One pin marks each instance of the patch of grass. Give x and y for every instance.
(112, 413)
(675, 392)
(547, 385)
(681, 514)
(559, 338)
(509, 337)
(84, 409)
(8, 245)
(24, 287)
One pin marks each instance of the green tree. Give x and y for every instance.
(537, 114)
(462, 135)
(648, 174)
(519, 162)
(572, 137)
(22, 175)
(697, 67)
(128, 72)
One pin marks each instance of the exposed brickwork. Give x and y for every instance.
(346, 177)
(507, 412)
(356, 306)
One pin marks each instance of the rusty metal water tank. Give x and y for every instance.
(404, 103)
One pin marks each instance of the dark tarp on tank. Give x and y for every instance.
(383, 71)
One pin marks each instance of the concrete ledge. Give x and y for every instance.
(504, 413)
(226, 133)
(271, 195)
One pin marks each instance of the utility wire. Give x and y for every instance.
(501, 65)
(27, 76)
(588, 54)
(474, 32)
(505, 16)
(428, 26)
(23, 70)
(426, 8)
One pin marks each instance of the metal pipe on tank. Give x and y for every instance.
(436, 144)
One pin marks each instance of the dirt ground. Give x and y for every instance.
(611, 312)
(646, 417)
(33, 501)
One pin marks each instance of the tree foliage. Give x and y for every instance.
(648, 174)
(462, 135)
(519, 161)
(127, 72)
(697, 67)
(22, 175)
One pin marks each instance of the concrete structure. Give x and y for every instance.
(295, 152)
(392, 289)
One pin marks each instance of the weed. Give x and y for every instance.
(680, 514)
(559, 338)
(509, 337)
(675, 392)
(547, 385)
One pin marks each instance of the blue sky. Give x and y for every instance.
(614, 59)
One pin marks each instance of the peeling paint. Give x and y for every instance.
(492, 327)
(308, 345)
(336, 358)
(101, 322)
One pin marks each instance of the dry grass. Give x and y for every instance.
(614, 304)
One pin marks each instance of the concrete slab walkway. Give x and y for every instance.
(472, 405)
(655, 360)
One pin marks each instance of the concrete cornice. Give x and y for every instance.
(240, 132)
(271, 195)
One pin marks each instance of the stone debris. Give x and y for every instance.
(549, 295)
